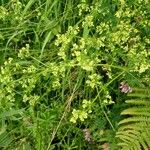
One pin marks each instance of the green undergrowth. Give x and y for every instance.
(68, 70)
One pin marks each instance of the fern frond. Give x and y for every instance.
(135, 119)
(146, 137)
(134, 130)
(137, 111)
(131, 137)
(141, 95)
(141, 90)
(136, 126)
(130, 140)
(138, 102)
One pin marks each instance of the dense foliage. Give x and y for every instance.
(74, 74)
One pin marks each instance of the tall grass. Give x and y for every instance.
(62, 62)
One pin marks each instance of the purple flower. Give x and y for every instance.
(88, 136)
(106, 146)
(125, 88)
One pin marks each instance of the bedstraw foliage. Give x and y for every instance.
(68, 69)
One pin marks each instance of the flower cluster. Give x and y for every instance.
(3, 13)
(24, 52)
(82, 114)
(93, 80)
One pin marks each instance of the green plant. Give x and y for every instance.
(61, 65)
(134, 130)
